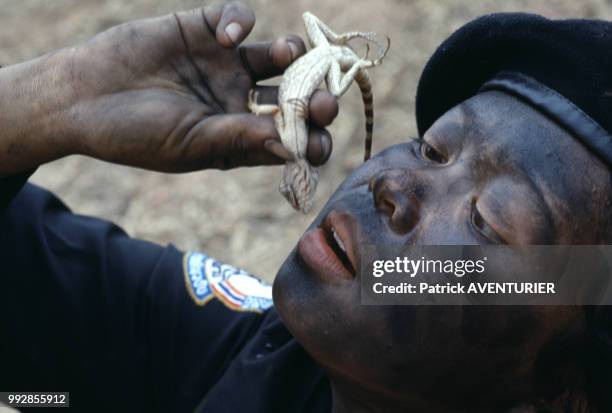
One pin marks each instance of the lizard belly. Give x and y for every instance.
(300, 80)
(305, 75)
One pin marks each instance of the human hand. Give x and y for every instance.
(170, 94)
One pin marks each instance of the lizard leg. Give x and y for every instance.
(370, 38)
(263, 109)
(343, 38)
(382, 52)
(317, 32)
(337, 82)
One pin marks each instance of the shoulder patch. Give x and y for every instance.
(206, 278)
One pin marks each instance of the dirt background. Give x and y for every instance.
(238, 216)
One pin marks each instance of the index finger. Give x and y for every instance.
(270, 59)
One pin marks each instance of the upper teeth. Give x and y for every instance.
(338, 240)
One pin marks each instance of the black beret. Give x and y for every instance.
(563, 68)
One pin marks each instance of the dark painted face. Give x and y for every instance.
(491, 170)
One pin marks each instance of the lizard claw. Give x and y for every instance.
(252, 102)
(383, 52)
(263, 109)
(381, 56)
(365, 57)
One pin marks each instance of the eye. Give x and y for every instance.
(479, 223)
(431, 154)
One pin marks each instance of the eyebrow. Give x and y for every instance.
(455, 129)
(460, 126)
(540, 202)
(468, 114)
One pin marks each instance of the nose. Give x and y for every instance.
(397, 196)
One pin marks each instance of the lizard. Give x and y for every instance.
(332, 60)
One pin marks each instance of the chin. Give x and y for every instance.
(290, 292)
(311, 312)
(315, 294)
(295, 298)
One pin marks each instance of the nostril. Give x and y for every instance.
(397, 197)
(387, 207)
(383, 198)
(402, 210)
(406, 215)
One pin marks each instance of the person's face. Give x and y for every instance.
(491, 170)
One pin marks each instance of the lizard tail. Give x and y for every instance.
(365, 86)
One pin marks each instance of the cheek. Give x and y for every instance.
(502, 339)
(509, 325)
(446, 224)
(427, 347)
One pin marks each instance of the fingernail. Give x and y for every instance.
(233, 31)
(269, 144)
(326, 145)
(277, 148)
(293, 49)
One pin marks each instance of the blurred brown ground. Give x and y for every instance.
(238, 216)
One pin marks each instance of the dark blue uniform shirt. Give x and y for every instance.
(127, 325)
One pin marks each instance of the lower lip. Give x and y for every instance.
(319, 257)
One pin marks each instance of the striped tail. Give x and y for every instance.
(365, 86)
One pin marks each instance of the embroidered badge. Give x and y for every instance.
(207, 278)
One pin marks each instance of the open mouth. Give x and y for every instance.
(337, 245)
(328, 250)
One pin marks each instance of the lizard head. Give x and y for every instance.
(298, 184)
